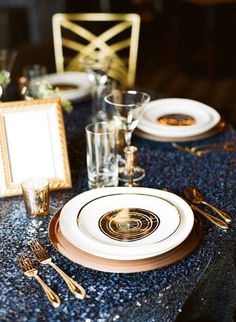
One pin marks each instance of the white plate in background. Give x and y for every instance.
(205, 117)
(73, 86)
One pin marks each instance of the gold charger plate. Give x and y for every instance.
(80, 257)
(215, 130)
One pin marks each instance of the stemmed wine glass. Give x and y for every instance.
(97, 66)
(128, 107)
(7, 60)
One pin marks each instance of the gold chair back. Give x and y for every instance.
(96, 34)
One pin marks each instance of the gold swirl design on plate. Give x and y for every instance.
(128, 224)
(176, 120)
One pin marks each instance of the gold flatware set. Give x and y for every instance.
(204, 149)
(194, 197)
(30, 270)
(216, 221)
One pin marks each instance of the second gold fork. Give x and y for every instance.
(44, 258)
(26, 264)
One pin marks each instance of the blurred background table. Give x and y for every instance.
(186, 49)
(205, 280)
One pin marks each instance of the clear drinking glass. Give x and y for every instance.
(30, 73)
(128, 106)
(7, 60)
(102, 164)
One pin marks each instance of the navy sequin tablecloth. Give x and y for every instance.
(206, 278)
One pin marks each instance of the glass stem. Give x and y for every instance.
(128, 135)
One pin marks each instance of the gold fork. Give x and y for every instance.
(201, 153)
(44, 258)
(201, 150)
(26, 264)
(222, 145)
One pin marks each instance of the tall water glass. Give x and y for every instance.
(30, 74)
(102, 164)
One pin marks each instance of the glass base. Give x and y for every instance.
(95, 185)
(137, 175)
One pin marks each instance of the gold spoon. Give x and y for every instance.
(196, 197)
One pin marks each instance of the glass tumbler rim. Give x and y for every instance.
(27, 183)
(109, 129)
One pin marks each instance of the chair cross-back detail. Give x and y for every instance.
(97, 34)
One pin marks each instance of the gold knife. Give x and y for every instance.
(218, 222)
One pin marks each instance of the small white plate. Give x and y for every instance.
(156, 225)
(72, 86)
(167, 218)
(205, 117)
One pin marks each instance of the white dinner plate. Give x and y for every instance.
(98, 222)
(203, 116)
(72, 86)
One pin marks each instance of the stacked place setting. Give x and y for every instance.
(134, 229)
(124, 229)
(178, 119)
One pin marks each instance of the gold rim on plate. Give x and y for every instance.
(76, 255)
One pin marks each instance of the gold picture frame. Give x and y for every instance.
(32, 144)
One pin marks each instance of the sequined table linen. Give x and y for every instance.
(206, 278)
